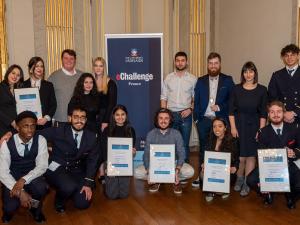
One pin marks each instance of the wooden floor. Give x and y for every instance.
(167, 208)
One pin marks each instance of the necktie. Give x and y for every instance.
(75, 139)
(26, 150)
(278, 132)
(290, 71)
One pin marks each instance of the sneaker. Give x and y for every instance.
(177, 189)
(196, 183)
(154, 187)
(239, 183)
(209, 197)
(185, 181)
(225, 196)
(245, 190)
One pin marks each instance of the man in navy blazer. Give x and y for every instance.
(279, 134)
(211, 97)
(73, 161)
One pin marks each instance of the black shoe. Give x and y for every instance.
(59, 205)
(37, 216)
(290, 202)
(268, 199)
(6, 218)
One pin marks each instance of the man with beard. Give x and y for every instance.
(284, 85)
(211, 97)
(279, 134)
(164, 134)
(178, 96)
(73, 161)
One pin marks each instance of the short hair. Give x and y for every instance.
(163, 110)
(10, 69)
(213, 55)
(24, 115)
(249, 66)
(290, 48)
(277, 103)
(77, 107)
(32, 64)
(69, 51)
(183, 54)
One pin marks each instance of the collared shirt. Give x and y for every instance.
(78, 137)
(35, 83)
(68, 72)
(275, 128)
(178, 91)
(292, 68)
(213, 88)
(41, 161)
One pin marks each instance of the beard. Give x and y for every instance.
(74, 128)
(276, 122)
(181, 69)
(214, 73)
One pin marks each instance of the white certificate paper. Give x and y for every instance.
(162, 164)
(119, 156)
(217, 171)
(28, 99)
(273, 170)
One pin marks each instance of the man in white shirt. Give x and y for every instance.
(178, 96)
(23, 161)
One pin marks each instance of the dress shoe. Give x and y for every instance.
(268, 199)
(290, 202)
(59, 205)
(6, 218)
(37, 216)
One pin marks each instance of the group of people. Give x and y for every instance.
(80, 112)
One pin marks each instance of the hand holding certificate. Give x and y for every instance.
(28, 99)
(162, 164)
(119, 157)
(217, 172)
(273, 170)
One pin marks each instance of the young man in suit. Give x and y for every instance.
(211, 97)
(279, 134)
(23, 161)
(36, 70)
(73, 160)
(284, 85)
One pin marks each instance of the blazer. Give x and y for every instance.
(286, 88)
(267, 138)
(65, 152)
(8, 111)
(201, 97)
(47, 96)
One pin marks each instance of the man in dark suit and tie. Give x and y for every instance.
(47, 95)
(285, 84)
(279, 134)
(73, 160)
(211, 97)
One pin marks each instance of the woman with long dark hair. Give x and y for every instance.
(85, 94)
(119, 126)
(221, 140)
(12, 79)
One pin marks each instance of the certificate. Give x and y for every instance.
(162, 164)
(28, 99)
(119, 157)
(273, 170)
(217, 171)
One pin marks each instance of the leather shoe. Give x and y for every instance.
(268, 199)
(59, 205)
(6, 218)
(290, 203)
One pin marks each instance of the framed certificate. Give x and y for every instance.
(28, 99)
(216, 171)
(119, 157)
(162, 164)
(273, 170)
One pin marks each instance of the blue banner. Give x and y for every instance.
(135, 64)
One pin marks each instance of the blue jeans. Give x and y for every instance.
(184, 126)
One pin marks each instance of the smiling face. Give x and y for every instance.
(249, 76)
(68, 62)
(38, 71)
(219, 128)
(163, 120)
(88, 84)
(14, 76)
(120, 117)
(276, 114)
(98, 67)
(290, 59)
(214, 66)
(78, 119)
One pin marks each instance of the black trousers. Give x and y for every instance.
(294, 173)
(68, 185)
(37, 188)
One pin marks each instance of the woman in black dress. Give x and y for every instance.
(247, 114)
(12, 79)
(107, 89)
(85, 94)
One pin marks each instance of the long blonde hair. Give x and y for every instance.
(103, 87)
